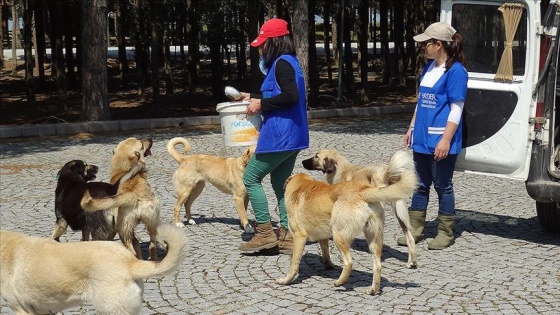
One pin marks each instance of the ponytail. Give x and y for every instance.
(454, 51)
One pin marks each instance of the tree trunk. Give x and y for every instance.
(140, 53)
(348, 58)
(363, 24)
(55, 10)
(313, 89)
(27, 45)
(301, 39)
(253, 31)
(216, 37)
(40, 39)
(121, 40)
(242, 55)
(398, 38)
(94, 73)
(155, 55)
(327, 35)
(15, 29)
(69, 46)
(193, 41)
(384, 30)
(167, 64)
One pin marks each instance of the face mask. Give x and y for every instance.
(262, 66)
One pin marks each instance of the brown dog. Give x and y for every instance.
(318, 211)
(194, 171)
(42, 276)
(338, 169)
(135, 200)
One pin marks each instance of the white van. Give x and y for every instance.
(511, 114)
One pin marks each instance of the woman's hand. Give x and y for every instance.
(407, 137)
(254, 106)
(245, 96)
(442, 149)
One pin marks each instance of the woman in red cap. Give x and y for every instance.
(284, 132)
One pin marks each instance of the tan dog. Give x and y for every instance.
(338, 169)
(135, 200)
(40, 275)
(318, 211)
(194, 171)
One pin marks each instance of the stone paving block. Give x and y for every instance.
(104, 126)
(71, 128)
(38, 130)
(10, 132)
(134, 124)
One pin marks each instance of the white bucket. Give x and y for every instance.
(237, 128)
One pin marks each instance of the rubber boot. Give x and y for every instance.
(417, 222)
(444, 236)
(264, 238)
(285, 241)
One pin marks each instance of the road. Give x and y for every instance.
(502, 262)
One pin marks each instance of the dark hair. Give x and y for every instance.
(276, 46)
(454, 51)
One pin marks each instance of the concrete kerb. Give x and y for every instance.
(11, 131)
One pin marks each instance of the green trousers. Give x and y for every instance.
(280, 166)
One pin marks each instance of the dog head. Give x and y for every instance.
(325, 161)
(81, 168)
(247, 154)
(128, 154)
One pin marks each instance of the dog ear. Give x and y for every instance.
(329, 165)
(247, 155)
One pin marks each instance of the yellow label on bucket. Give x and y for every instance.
(245, 135)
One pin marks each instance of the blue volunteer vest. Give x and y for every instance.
(284, 129)
(433, 110)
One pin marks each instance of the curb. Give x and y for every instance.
(12, 131)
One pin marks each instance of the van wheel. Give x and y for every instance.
(549, 216)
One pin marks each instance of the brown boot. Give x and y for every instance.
(285, 240)
(264, 238)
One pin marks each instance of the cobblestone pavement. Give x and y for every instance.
(502, 262)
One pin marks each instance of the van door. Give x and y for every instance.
(498, 130)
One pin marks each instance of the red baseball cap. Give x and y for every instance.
(271, 28)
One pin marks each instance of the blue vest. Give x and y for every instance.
(433, 110)
(284, 129)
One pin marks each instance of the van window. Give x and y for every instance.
(482, 27)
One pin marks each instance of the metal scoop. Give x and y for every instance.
(232, 93)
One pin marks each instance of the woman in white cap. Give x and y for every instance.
(284, 132)
(435, 132)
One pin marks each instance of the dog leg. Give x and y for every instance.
(325, 254)
(181, 199)
(241, 207)
(373, 233)
(85, 235)
(343, 246)
(195, 191)
(152, 230)
(60, 228)
(300, 238)
(401, 212)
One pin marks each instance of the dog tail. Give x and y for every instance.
(176, 240)
(91, 204)
(400, 161)
(171, 148)
(402, 186)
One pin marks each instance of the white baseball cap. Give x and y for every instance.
(439, 30)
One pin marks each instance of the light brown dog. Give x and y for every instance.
(194, 171)
(318, 211)
(135, 200)
(43, 276)
(338, 169)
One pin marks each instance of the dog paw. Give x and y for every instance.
(179, 224)
(284, 281)
(249, 229)
(372, 291)
(191, 222)
(412, 265)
